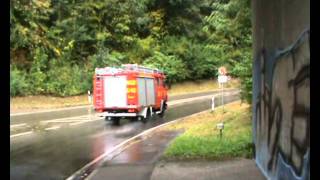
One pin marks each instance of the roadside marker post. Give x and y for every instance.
(222, 78)
(90, 102)
(220, 126)
(212, 103)
(222, 100)
(89, 97)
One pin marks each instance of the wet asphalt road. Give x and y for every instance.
(136, 160)
(58, 153)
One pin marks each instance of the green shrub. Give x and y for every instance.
(66, 80)
(202, 63)
(18, 83)
(243, 70)
(37, 76)
(104, 58)
(172, 66)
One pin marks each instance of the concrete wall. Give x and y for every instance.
(281, 89)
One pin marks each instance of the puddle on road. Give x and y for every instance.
(145, 151)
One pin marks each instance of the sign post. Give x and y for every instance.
(222, 78)
(222, 99)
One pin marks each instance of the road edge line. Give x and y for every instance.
(20, 134)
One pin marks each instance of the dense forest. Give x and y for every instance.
(55, 45)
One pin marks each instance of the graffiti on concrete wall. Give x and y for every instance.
(282, 111)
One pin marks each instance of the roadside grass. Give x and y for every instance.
(201, 139)
(200, 86)
(34, 103)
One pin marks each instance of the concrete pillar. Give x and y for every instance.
(281, 87)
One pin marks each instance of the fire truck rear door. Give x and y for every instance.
(146, 91)
(150, 91)
(115, 91)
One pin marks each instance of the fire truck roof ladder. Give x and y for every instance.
(141, 68)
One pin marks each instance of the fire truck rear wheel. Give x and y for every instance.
(137, 118)
(133, 119)
(115, 120)
(147, 118)
(161, 114)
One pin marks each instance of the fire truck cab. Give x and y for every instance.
(131, 91)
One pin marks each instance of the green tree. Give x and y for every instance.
(173, 67)
(188, 39)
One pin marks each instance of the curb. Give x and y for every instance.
(109, 155)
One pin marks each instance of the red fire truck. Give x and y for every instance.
(131, 91)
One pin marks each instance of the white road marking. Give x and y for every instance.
(21, 134)
(46, 111)
(64, 119)
(49, 128)
(52, 128)
(73, 124)
(71, 119)
(17, 125)
(181, 101)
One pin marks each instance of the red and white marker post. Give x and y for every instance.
(222, 78)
